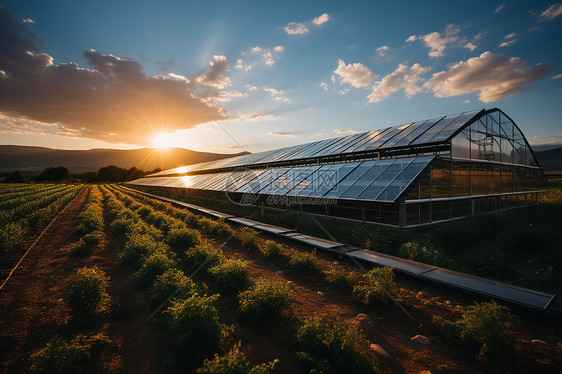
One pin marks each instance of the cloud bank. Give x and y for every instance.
(113, 100)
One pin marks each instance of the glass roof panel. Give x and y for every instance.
(296, 177)
(398, 138)
(210, 180)
(418, 131)
(328, 181)
(347, 181)
(383, 180)
(274, 179)
(334, 148)
(326, 145)
(430, 133)
(322, 175)
(308, 180)
(454, 125)
(339, 148)
(366, 179)
(404, 179)
(373, 137)
(250, 175)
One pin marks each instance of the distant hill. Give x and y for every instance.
(550, 160)
(15, 157)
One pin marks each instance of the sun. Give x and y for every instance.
(164, 141)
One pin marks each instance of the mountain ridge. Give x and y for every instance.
(36, 158)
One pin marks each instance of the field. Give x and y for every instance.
(123, 283)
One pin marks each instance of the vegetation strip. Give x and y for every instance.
(36, 240)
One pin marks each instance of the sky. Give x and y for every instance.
(231, 76)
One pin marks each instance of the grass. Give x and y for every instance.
(377, 284)
(88, 295)
(304, 262)
(231, 275)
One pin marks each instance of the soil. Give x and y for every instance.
(32, 310)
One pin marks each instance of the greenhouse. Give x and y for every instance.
(409, 175)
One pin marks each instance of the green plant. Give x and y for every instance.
(88, 243)
(483, 326)
(144, 211)
(182, 239)
(231, 275)
(418, 252)
(379, 282)
(194, 325)
(214, 227)
(12, 236)
(234, 362)
(122, 226)
(271, 249)
(304, 262)
(88, 293)
(155, 264)
(340, 278)
(266, 299)
(169, 282)
(327, 347)
(203, 253)
(138, 247)
(248, 237)
(60, 356)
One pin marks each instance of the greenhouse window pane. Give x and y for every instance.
(343, 148)
(326, 176)
(404, 179)
(342, 185)
(299, 186)
(379, 184)
(398, 138)
(366, 179)
(454, 125)
(374, 136)
(427, 136)
(273, 179)
(418, 131)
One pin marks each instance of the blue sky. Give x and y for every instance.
(258, 75)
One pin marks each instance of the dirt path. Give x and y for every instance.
(31, 303)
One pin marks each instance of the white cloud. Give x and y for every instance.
(381, 51)
(466, 101)
(324, 85)
(509, 39)
(178, 77)
(495, 76)
(548, 139)
(551, 12)
(249, 87)
(333, 78)
(321, 19)
(470, 46)
(228, 95)
(28, 20)
(557, 76)
(500, 8)
(357, 74)
(403, 78)
(258, 116)
(343, 92)
(213, 77)
(282, 133)
(345, 131)
(259, 55)
(437, 43)
(277, 94)
(294, 28)
(480, 36)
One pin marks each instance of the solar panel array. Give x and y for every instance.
(375, 180)
(431, 131)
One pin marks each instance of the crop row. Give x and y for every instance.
(13, 199)
(375, 287)
(90, 223)
(15, 224)
(12, 188)
(323, 343)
